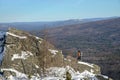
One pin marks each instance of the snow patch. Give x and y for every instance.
(40, 42)
(21, 37)
(56, 73)
(53, 78)
(11, 77)
(92, 71)
(10, 45)
(60, 71)
(24, 55)
(35, 78)
(18, 74)
(67, 59)
(84, 63)
(87, 74)
(37, 37)
(36, 66)
(106, 77)
(54, 52)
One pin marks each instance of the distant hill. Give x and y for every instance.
(29, 26)
(99, 41)
(100, 34)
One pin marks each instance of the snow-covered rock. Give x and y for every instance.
(14, 35)
(17, 73)
(59, 73)
(24, 55)
(53, 51)
(85, 63)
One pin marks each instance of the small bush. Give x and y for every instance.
(68, 76)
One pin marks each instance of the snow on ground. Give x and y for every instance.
(87, 74)
(37, 37)
(84, 63)
(54, 52)
(21, 37)
(53, 78)
(35, 78)
(18, 74)
(24, 55)
(67, 59)
(59, 72)
(2, 78)
(54, 73)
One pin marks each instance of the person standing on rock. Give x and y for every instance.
(79, 55)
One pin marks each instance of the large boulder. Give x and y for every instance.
(29, 54)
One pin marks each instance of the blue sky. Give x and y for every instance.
(51, 10)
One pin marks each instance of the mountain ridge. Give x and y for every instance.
(29, 26)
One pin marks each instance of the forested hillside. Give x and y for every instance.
(99, 41)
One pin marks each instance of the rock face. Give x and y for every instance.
(27, 55)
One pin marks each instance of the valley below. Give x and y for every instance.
(99, 42)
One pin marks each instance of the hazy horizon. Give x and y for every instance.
(61, 20)
(54, 10)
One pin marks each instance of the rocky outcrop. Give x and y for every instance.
(81, 66)
(27, 53)
(27, 56)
